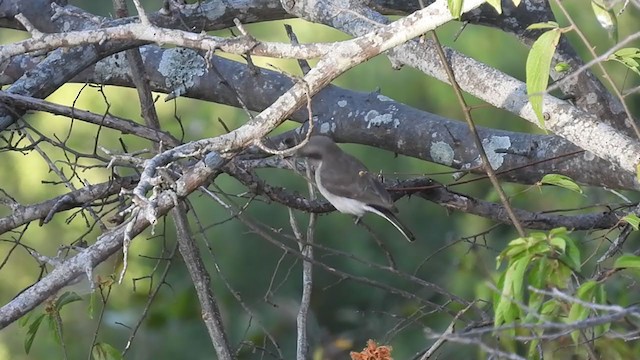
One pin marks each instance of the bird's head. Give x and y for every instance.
(317, 148)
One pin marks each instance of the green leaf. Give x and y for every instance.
(31, 333)
(550, 308)
(561, 67)
(601, 298)
(514, 247)
(67, 298)
(496, 4)
(560, 274)
(632, 220)
(516, 2)
(543, 25)
(627, 261)
(606, 18)
(104, 351)
(537, 279)
(539, 273)
(54, 327)
(561, 181)
(628, 57)
(23, 321)
(506, 311)
(578, 312)
(559, 231)
(519, 268)
(559, 243)
(455, 7)
(573, 255)
(538, 64)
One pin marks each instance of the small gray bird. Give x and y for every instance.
(347, 184)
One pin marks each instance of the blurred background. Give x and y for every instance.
(257, 284)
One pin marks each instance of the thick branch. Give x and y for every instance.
(496, 88)
(379, 122)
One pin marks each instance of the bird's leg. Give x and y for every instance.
(357, 221)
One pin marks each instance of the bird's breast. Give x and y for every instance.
(342, 204)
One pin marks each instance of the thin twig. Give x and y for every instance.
(472, 127)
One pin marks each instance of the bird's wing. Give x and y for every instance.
(357, 183)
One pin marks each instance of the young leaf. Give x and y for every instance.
(538, 64)
(561, 67)
(573, 255)
(67, 298)
(606, 18)
(632, 220)
(561, 181)
(23, 321)
(601, 298)
(506, 310)
(104, 351)
(455, 7)
(627, 261)
(496, 4)
(54, 327)
(543, 25)
(31, 333)
(629, 57)
(578, 312)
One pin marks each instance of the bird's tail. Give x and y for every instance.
(393, 219)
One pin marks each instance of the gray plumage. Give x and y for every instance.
(347, 184)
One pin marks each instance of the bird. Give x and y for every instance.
(347, 184)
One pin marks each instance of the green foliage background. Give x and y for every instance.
(341, 309)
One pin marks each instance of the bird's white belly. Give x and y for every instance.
(342, 204)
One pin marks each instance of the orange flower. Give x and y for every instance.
(372, 352)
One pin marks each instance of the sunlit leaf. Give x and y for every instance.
(629, 57)
(496, 4)
(514, 247)
(606, 18)
(561, 181)
(455, 8)
(538, 68)
(104, 351)
(627, 261)
(561, 67)
(543, 25)
(632, 220)
(558, 242)
(512, 290)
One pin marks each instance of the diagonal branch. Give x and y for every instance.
(579, 127)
